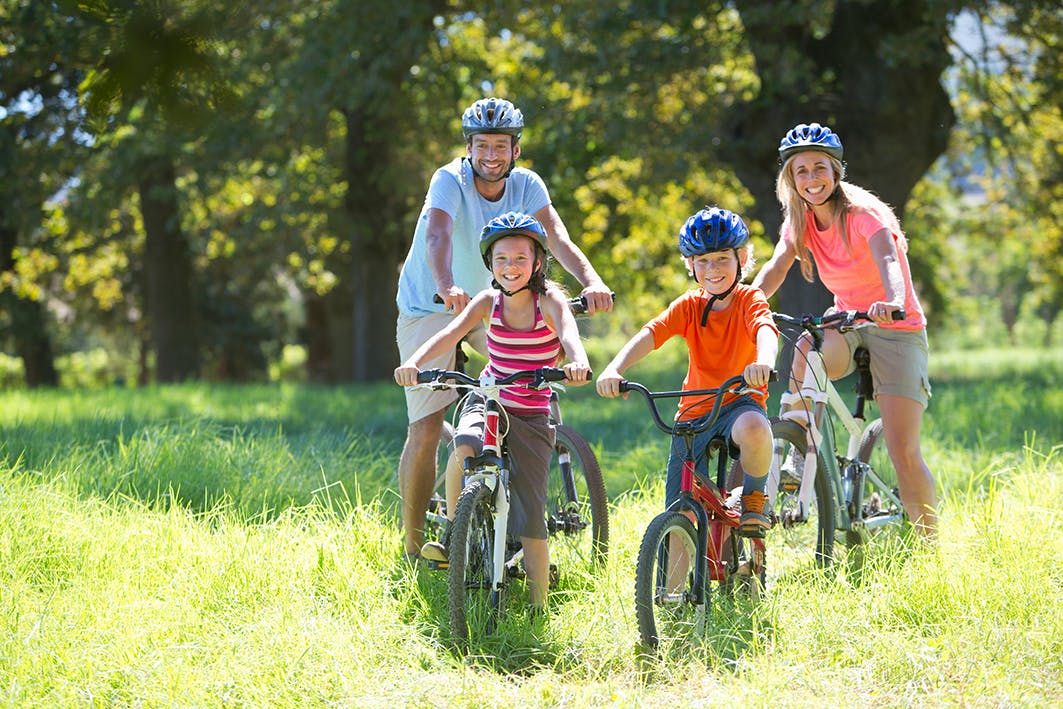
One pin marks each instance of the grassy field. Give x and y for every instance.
(237, 546)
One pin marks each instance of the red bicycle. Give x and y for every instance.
(693, 543)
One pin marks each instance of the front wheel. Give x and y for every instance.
(577, 513)
(474, 605)
(799, 538)
(667, 605)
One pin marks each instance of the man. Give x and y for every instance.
(444, 260)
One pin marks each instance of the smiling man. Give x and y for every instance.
(444, 260)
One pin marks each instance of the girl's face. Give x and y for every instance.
(715, 271)
(814, 177)
(513, 261)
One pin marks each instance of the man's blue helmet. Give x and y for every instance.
(509, 224)
(492, 115)
(811, 136)
(712, 229)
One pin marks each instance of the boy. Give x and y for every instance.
(729, 329)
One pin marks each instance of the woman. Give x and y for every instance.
(856, 243)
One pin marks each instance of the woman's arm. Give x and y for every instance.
(773, 273)
(884, 250)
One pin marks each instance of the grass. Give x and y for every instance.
(236, 546)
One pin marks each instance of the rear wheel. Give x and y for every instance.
(666, 604)
(577, 514)
(799, 540)
(474, 606)
(879, 508)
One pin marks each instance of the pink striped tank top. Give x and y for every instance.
(512, 350)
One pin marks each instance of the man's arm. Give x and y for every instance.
(598, 296)
(439, 237)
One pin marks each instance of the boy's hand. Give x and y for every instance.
(609, 383)
(757, 375)
(577, 373)
(406, 375)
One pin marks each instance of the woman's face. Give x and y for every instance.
(814, 177)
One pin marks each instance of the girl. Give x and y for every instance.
(856, 243)
(529, 325)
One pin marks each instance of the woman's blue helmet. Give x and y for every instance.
(712, 229)
(811, 136)
(492, 115)
(509, 224)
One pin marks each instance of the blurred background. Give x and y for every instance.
(199, 189)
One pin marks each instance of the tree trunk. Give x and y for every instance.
(28, 319)
(168, 275)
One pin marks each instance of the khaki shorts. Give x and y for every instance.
(410, 334)
(899, 361)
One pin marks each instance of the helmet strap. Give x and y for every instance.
(721, 296)
(495, 284)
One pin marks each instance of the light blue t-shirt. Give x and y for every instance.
(452, 191)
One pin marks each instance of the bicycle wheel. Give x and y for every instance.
(436, 515)
(879, 510)
(793, 542)
(474, 606)
(577, 514)
(665, 597)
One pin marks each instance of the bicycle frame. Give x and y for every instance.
(846, 474)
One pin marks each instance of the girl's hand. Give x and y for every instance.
(757, 375)
(406, 375)
(577, 373)
(609, 383)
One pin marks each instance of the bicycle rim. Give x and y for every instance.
(795, 544)
(577, 512)
(474, 606)
(665, 604)
(882, 516)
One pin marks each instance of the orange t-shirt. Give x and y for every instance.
(719, 350)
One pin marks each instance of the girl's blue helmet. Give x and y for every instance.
(712, 229)
(492, 115)
(811, 136)
(509, 224)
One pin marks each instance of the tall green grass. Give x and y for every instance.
(237, 546)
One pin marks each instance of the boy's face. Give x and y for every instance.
(717, 270)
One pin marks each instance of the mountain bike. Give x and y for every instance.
(482, 556)
(694, 543)
(577, 515)
(816, 493)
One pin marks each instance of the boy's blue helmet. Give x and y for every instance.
(492, 115)
(811, 136)
(712, 229)
(509, 224)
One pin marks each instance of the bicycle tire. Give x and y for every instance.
(667, 616)
(794, 544)
(473, 606)
(872, 451)
(579, 522)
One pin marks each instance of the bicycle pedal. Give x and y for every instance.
(437, 565)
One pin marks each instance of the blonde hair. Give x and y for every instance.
(849, 198)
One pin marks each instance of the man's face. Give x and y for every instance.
(492, 154)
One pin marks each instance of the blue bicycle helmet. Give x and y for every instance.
(712, 229)
(492, 115)
(509, 224)
(811, 136)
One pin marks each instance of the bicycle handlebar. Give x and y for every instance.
(578, 304)
(838, 320)
(538, 377)
(736, 385)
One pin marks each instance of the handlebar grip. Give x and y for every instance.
(579, 303)
(428, 375)
(437, 299)
(899, 314)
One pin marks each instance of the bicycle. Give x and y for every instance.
(671, 598)
(813, 490)
(482, 556)
(577, 511)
